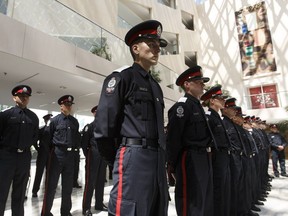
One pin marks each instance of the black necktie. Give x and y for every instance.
(159, 112)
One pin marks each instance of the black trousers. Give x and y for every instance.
(60, 162)
(278, 156)
(221, 183)
(95, 174)
(237, 185)
(14, 169)
(194, 184)
(41, 162)
(76, 166)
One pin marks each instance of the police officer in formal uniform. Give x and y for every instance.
(64, 137)
(278, 144)
(215, 100)
(18, 131)
(131, 111)
(189, 143)
(237, 150)
(95, 170)
(247, 163)
(42, 154)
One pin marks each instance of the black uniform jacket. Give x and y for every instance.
(18, 128)
(88, 140)
(187, 127)
(127, 108)
(218, 129)
(233, 134)
(276, 139)
(64, 132)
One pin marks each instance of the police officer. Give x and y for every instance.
(64, 137)
(237, 150)
(42, 154)
(18, 131)
(215, 101)
(131, 111)
(278, 144)
(95, 170)
(189, 147)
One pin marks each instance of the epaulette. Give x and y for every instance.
(182, 99)
(208, 112)
(121, 69)
(7, 108)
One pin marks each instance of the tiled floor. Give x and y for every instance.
(276, 204)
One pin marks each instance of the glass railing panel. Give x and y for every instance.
(55, 19)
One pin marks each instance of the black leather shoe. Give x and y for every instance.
(259, 203)
(87, 213)
(250, 213)
(255, 208)
(284, 174)
(101, 208)
(262, 199)
(77, 186)
(276, 175)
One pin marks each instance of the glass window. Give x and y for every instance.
(263, 97)
(169, 3)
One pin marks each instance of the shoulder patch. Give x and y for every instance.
(182, 99)
(111, 84)
(180, 111)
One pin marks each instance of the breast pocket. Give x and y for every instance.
(199, 125)
(143, 105)
(61, 132)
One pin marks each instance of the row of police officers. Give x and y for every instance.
(219, 163)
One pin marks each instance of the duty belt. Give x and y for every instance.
(13, 149)
(68, 149)
(238, 152)
(153, 143)
(199, 149)
(221, 149)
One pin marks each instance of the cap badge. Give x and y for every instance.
(180, 112)
(25, 89)
(159, 31)
(69, 98)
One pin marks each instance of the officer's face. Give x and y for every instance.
(66, 108)
(230, 112)
(21, 100)
(218, 101)
(194, 87)
(147, 52)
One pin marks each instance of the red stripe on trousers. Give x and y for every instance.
(184, 183)
(120, 183)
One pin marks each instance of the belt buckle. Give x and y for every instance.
(229, 152)
(208, 149)
(20, 150)
(241, 153)
(69, 149)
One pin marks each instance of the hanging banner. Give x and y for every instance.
(256, 49)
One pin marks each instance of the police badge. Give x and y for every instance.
(180, 112)
(111, 85)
